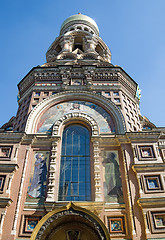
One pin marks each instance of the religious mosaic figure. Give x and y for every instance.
(75, 106)
(38, 181)
(53, 114)
(112, 179)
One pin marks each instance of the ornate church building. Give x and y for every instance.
(79, 162)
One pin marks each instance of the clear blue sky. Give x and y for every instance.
(133, 30)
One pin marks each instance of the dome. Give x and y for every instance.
(82, 19)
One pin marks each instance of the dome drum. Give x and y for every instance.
(79, 21)
(83, 41)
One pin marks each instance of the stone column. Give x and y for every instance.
(66, 43)
(88, 77)
(65, 76)
(90, 43)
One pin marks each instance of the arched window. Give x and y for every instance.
(75, 180)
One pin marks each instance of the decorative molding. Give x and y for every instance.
(5, 202)
(107, 104)
(161, 143)
(58, 215)
(97, 172)
(148, 167)
(9, 183)
(153, 202)
(11, 137)
(3, 214)
(52, 173)
(9, 168)
(16, 153)
(76, 115)
(13, 232)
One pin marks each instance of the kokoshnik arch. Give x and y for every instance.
(79, 161)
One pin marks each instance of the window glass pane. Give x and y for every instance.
(75, 182)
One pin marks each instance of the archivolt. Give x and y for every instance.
(107, 104)
(77, 116)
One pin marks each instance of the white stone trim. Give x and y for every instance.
(13, 232)
(52, 173)
(97, 173)
(76, 115)
(9, 183)
(3, 214)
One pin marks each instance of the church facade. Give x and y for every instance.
(78, 161)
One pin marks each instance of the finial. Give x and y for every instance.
(79, 13)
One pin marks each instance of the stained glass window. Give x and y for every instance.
(75, 181)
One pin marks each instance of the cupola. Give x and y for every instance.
(79, 22)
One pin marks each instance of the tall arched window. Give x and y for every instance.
(75, 181)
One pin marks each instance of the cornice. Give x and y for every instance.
(113, 139)
(5, 202)
(39, 139)
(143, 136)
(11, 137)
(87, 205)
(149, 167)
(8, 167)
(152, 202)
(45, 74)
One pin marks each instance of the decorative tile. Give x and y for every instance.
(157, 220)
(5, 151)
(30, 223)
(153, 183)
(146, 152)
(116, 225)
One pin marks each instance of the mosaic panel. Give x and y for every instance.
(30, 224)
(116, 225)
(102, 118)
(157, 220)
(152, 183)
(5, 151)
(38, 176)
(112, 178)
(146, 152)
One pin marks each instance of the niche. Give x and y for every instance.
(78, 43)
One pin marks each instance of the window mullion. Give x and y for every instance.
(74, 175)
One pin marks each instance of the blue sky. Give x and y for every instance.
(133, 30)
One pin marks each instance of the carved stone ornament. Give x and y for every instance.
(70, 212)
(76, 115)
